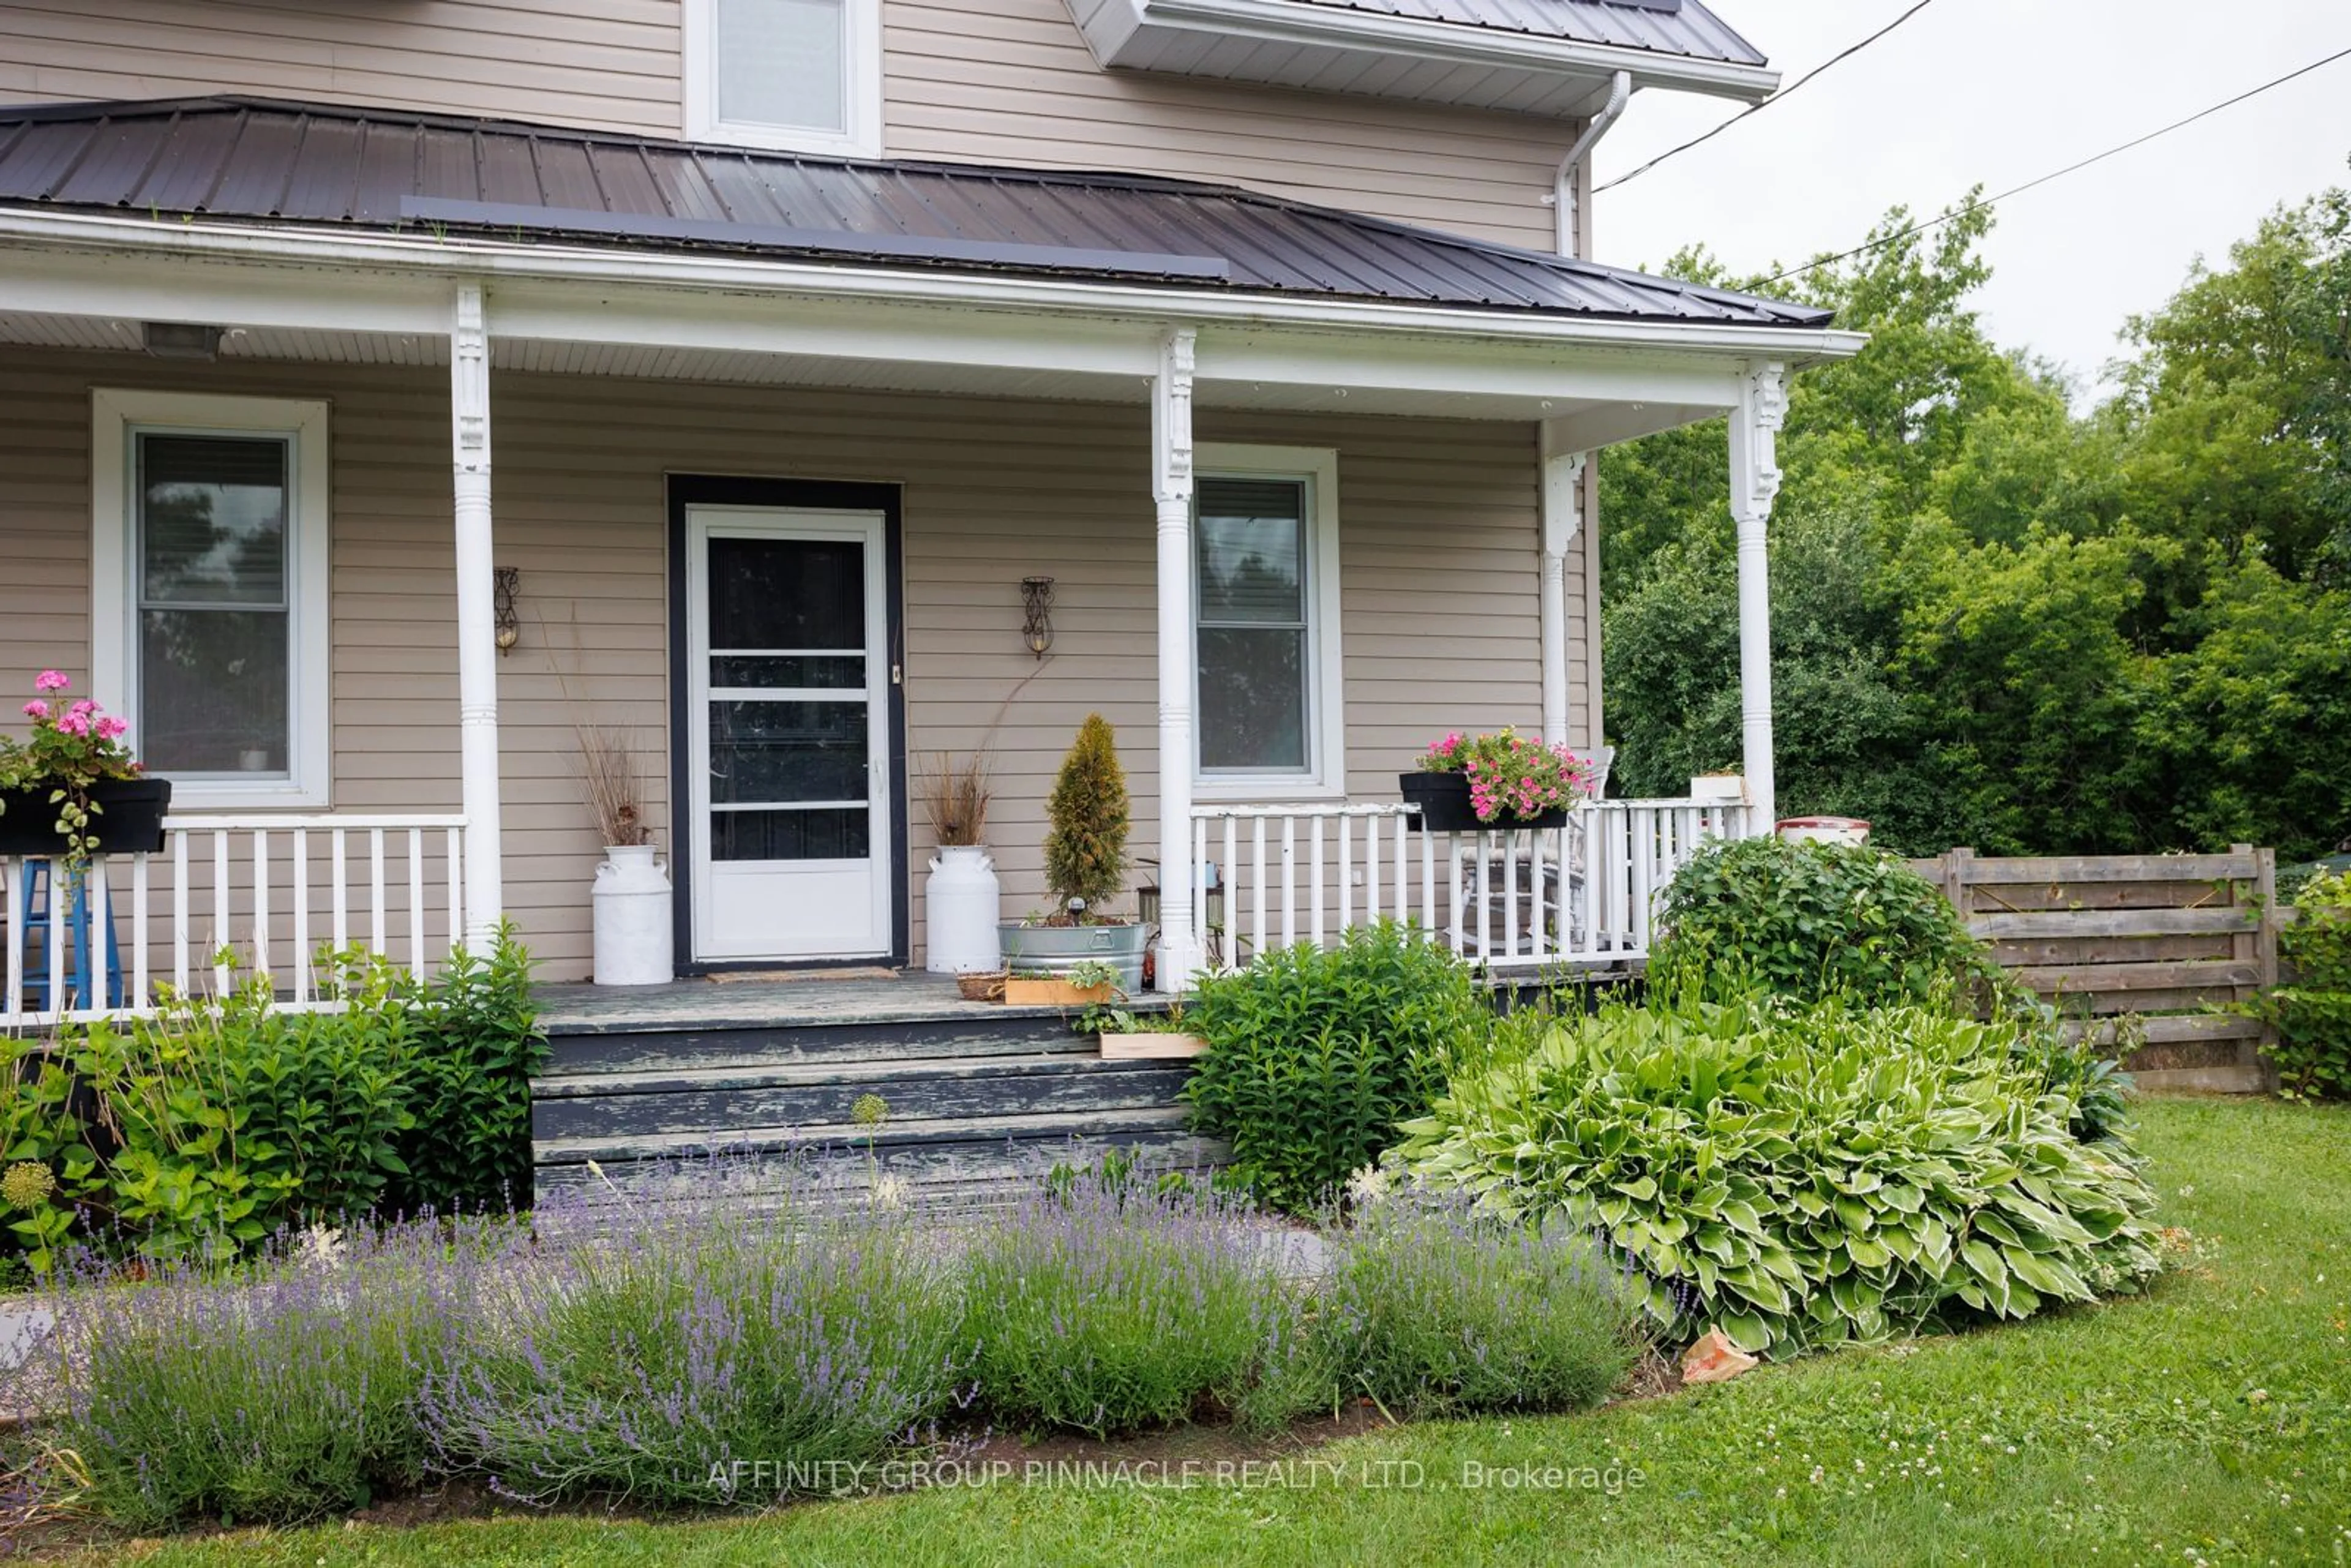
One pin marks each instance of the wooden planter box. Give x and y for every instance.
(1054, 993)
(1146, 1045)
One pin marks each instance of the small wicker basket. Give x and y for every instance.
(981, 988)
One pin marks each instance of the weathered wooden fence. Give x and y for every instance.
(2136, 950)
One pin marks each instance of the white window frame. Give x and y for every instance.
(861, 94)
(116, 415)
(1325, 775)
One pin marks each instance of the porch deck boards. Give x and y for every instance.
(783, 1002)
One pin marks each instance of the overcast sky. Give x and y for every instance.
(2001, 91)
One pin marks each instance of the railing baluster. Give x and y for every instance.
(59, 896)
(1314, 880)
(12, 998)
(1232, 892)
(1453, 894)
(1643, 862)
(139, 995)
(301, 914)
(1371, 871)
(1288, 881)
(180, 913)
(1509, 895)
(416, 901)
(1427, 887)
(339, 847)
(455, 862)
(1535, 921)
(1346, 874)
(261, 967)
(1485, 892)
(1402, 882)
(1200, 888)
(378, 943)
(224, 934)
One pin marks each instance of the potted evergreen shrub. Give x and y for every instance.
(1465, 784)
(1085, 870)
(72, 788)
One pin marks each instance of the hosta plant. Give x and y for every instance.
(1800, 1176)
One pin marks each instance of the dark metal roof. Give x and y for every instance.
(316, 164)
(1683, 27)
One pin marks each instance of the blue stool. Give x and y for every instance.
(35, 903)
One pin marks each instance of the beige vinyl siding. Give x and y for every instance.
(1004, 81)
(1438, 537)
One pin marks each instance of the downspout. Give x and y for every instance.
(1620, 93)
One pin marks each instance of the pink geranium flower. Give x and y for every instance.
(37, 708)
(51, 681)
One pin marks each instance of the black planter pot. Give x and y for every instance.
(129, 820)
(1444, 802)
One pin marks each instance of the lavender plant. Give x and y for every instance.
(689, 1357)
(1105, 1306)
(1437, 1311)
(284, 1392)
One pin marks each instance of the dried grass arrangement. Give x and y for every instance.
(612, 779)
(955, 794)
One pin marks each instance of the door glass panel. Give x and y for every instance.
(786, 593)
(841, 834)
(813, 672)
(765, 752)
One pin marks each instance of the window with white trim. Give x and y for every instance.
(800, 76)
(209, 591)
(1269, 717)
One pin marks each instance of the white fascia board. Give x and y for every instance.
(1112, 27)
(327, 279)
(1471, 368)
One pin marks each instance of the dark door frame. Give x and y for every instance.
(716, 490)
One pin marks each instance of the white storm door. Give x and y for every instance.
(788, 730)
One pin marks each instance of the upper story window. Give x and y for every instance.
(209, 550)
(1265, 623)
(800, 76)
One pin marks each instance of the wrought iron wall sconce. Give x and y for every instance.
(506, 581)
(1037, 614)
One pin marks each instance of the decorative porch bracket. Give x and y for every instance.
(477, 636)
(1172, 490)
(1563, 521)
(1760, 409)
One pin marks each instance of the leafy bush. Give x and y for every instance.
(279, 1395)
(1438, 1311)
(1798, 1177)
(1102, 1306)
(202, 1130)
(2313, 1014)
(1314, 1055)
(1810, 920)
(643, 1361)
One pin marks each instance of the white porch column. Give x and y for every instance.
(1755, 420)
(1171, 489)
(1563, 520)
(477, 649)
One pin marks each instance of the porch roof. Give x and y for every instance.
(303, 165)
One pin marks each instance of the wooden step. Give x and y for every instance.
(816, 1138)
(716, 1102)
(724, 1045)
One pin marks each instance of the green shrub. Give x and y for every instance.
(282, 1393)
(687, 1357)
(2313, 1014)
(1437, 1311)
(473, 1045)
(1810, 920)
(1099, 1306)
(201, 1130)
(1798, 1177)
(1314, 1055)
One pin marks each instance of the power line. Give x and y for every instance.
(1961, 212)
(1776, 98)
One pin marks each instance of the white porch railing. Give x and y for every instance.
(276, 890)
(1583, 894)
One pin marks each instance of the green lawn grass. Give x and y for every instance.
(2210, 1421)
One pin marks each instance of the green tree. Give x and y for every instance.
(1085, 850)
